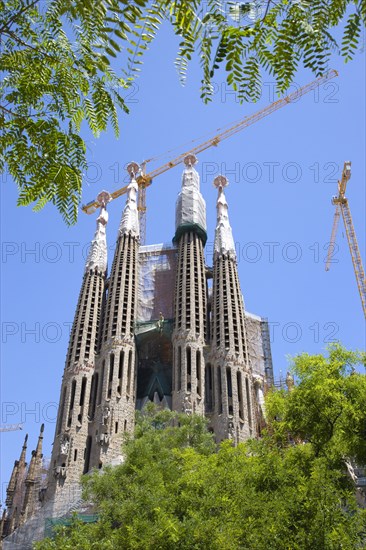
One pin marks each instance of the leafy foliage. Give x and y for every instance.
(57, 74)
(175, 490)
(57, 59)
(327, 409)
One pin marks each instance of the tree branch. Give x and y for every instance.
(9, 23)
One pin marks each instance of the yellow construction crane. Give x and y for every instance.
(144, 180)
(342, 207)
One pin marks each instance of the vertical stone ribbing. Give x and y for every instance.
(232, 384)
(71, 437)
(189, 335)
(211, 372)
(112, 407)
(121, 302)
(15, 493)
(33, 481)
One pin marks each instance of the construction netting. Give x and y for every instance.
(157, 267)
(51, 524)
(258, 344)
(190, 207)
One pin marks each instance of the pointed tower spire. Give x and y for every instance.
(2, 524)
(232, 380)
(79, 383)
(15, 492)
(224, 242)
(97, 256)
(12, 484)
(23, 454)
(189, 333)
(33, 480)
(18, 465)
(114, 402)
(36, 457)
(130, 219)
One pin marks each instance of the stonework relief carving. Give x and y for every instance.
(60, 471)
(104, 439)
(259, 394)
(106, 416)
(64, 445)
(290, 382)
(187, 404)
(160, 323)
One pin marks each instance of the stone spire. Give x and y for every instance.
(224, 242)
(18, 464)
(23, 454)
(97, 256)
(33, 480)
(232, 387)
(71, 447)
(130, 217)
(15, 492)
(36, 456)
(12, 484)
(190, 302)
(113, 404)
(2, 525)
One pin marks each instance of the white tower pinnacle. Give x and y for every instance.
(190, 212)
(97, 256)
(130, 216)
(224, 242)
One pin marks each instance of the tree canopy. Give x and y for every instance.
(288, 490)
(326, 408)
(57, 58)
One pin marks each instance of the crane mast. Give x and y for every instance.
(342, 207)
(145, 179)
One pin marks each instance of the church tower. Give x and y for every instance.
(228, 370)
(112, 409)
(15, 492)
(71, 447)
(189, 333)
(33, 481)
(151, 331)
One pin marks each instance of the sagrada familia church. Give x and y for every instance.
(160, 326)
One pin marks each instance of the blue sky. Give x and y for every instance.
(283, 172)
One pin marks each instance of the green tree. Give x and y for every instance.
(286, 491)
(327, 408)
(57, 58)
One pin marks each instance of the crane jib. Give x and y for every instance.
(144, 180)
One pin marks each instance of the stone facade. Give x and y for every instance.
(189, 351)
(71, 447)
(25, 490)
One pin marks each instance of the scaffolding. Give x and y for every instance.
(157, 266)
